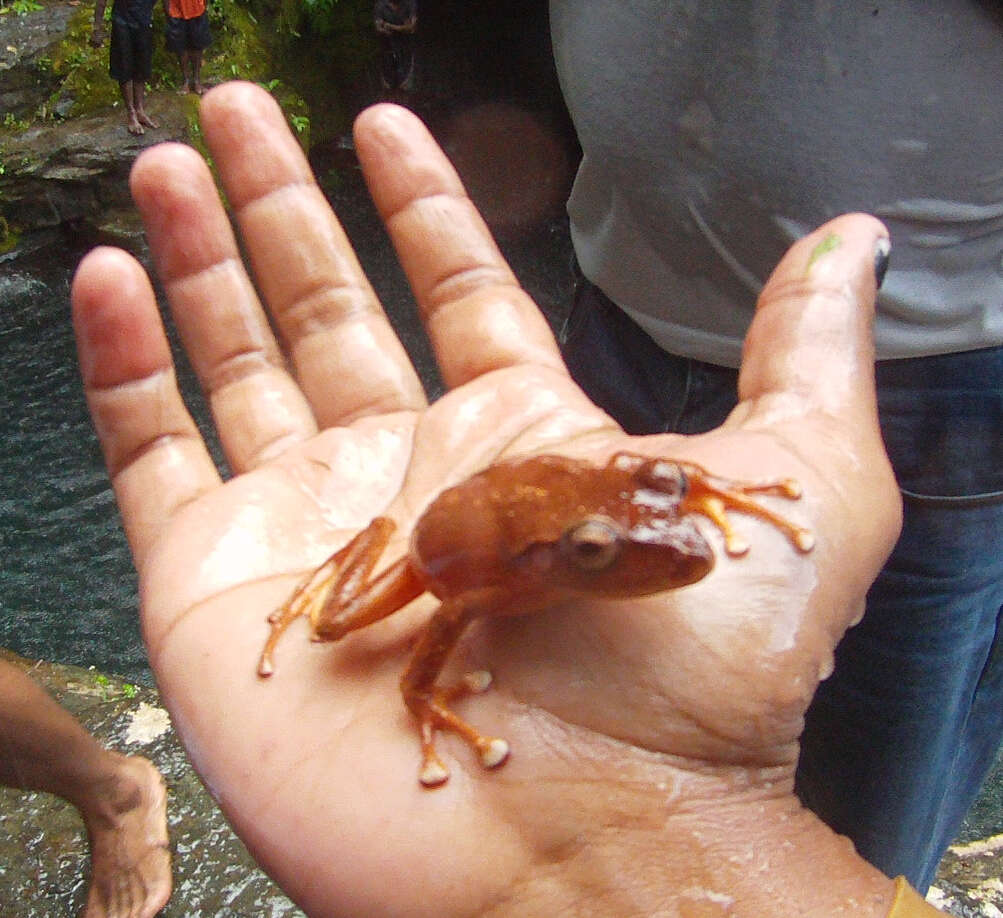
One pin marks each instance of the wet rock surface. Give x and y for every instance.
(76, 172)
(43, 848)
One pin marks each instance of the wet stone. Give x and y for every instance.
(76, 172)
(25, 42)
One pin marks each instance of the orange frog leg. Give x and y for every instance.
(712, 496)
(339, 596)
(430, 702)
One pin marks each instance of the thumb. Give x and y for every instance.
(812, 335)
(808, 376)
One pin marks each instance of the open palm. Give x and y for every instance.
(611, 708)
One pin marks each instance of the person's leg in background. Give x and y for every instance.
(122, 799)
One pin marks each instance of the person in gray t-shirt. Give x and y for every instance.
(715, 133)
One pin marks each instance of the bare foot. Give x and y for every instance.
(130, 859)
(146, 120)
(134, 126)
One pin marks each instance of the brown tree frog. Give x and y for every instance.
(517, 537)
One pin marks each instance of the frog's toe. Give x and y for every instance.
(804, 539)
(433, 772)
(736, 545)
(493, 751)
(477, 681)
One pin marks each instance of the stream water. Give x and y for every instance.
(68, 588)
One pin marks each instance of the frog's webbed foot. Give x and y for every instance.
(433, 713)
(309, 596)
(712, 497)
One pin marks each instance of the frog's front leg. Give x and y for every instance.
(712, 495)
(430, 702)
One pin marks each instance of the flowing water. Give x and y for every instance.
(67, 587)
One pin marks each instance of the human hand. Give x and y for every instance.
(97, 36)
(654, 741)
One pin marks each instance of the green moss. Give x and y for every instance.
(9, 127)
(9, 236)
(109, 689)
(19, 7)
(237, 51)
(319, 46)
(82, 70)
(298, 49)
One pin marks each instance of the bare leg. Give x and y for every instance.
(183, 67)
(122, 799)
(139, 98)
(195, 56)
(129, 97)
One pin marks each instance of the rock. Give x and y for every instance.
(65, 153)
(76, 172)
(26, 44)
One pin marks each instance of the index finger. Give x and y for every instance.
(476, 314)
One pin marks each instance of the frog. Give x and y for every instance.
(520, 536)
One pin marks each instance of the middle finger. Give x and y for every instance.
(258, 409)
(347, 357)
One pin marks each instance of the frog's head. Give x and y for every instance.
(600, 555)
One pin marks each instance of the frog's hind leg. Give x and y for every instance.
(713, 496)
(330, 596)
(430, 703)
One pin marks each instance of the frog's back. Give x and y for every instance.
(472, 533)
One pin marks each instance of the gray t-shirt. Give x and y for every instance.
(715, 133)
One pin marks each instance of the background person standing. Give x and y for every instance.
(130, 54)
(395, 22)
(188, 36)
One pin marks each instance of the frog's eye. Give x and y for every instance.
(592, 545)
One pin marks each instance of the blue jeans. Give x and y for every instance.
(898, 741)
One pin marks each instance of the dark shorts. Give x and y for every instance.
(188, 34)
(130, 52)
